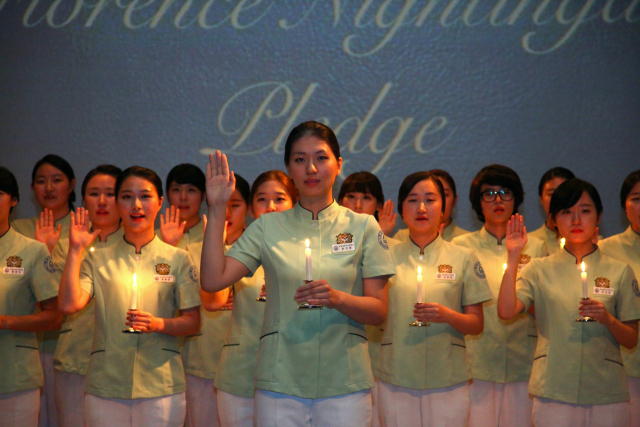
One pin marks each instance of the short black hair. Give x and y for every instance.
(187, 173)
(9, 184)
(110, 170)
(629, 182)
(557, 172)
(495, 175)
(319, 130)
(411, 180)
(362, 182)
(140, 172)
(61, 164)
(243, 187)
(569, 192)
(442, 174)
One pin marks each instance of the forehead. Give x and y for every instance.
(310, 144)
(554, 183)
(271, 186)
(176, 185)
(48, 170)
(491, 187)
(425, 186)
(102, 181)
(135, 183)
(237, 196)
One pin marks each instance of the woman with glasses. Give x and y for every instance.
(502, 355)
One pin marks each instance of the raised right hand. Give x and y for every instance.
(221, 183)
(80, 236)
(516, 238)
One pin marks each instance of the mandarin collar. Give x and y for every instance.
(113, 236)
(590, 258)
(64, 219)
(434, 246)
(487, 239)
(9, 237)
(198, 228)
(305, 214)
(632, 237)
(131, 249)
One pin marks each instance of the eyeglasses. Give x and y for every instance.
(490, 195)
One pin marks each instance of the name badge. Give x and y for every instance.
(450, 277)
(603, 291)
(163, 278)
(13, 271)
(342, 248)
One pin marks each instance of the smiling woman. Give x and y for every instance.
(167, 282)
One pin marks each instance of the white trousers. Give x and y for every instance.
(552, 413)
(375, 399)
(281, 410)
(202, 407)
(499, 405)
(20, 408)
(634, 391)
(69, 397)
(405, 407)
(234, 410)
(165, 411)
(48, 410)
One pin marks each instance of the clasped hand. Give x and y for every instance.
(317, 292)
(431, 312)
(143, 321)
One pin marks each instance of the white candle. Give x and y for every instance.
(133, 303)
(583, 276)
(307, 256)
(419, 284)
(562, 243)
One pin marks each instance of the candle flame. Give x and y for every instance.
(307, 242)
(504, 267)
(419, 271)
(562, 242)
(583, 266)
(134, 277)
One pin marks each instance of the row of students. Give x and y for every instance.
(485, 193)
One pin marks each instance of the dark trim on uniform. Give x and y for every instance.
(459, 345)
(270, 333)
(172, 351)
(26, 346)
(539, 357)
(65, 331)
(389, 343)
(230, 345)
(358, 335)
(614, 362)
(97, 351)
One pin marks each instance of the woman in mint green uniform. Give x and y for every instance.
(272, 191)
(578, 378)
(71, 358)
(423, 372)
(313, 366)
(27, 277)
(626, 248)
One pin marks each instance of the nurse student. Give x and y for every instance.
(578, 378)
(140, 283)
(313, 366)
(28, 277)
(423, 372)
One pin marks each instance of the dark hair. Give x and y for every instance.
(110, 170)
(319, 130)
(64, 167)
(274, 175)
(243, 187)
(557, 172)
(410, 181)
(140, 172)
(629, 182)
(362, 182)
(186, 173)
(569, 192)
(495, 175)
(442, 174)
(9, 185)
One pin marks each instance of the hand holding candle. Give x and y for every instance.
(307, 256)
(419, 285)
(133, 303)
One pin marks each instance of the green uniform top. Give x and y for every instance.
(47, 341)
(28, 276)
(549, 237)
(240, 352)
(626, 247)
(435, 356)
(503, 352)
(76, 334)
(578, 362)
(201, 352)
(450, 231)
(131, 366)
(194, 235)
(313, 353)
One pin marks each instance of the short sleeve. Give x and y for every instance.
(628, 298)
(248, 247)
(376, 258)
(475, 287)
(45, 280)
(525, 285)
(86, 274)
(187, 291)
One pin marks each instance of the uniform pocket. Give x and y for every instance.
(385, 360)
(267, 353)
(614, 369)
(359, 361)
(231, 341)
